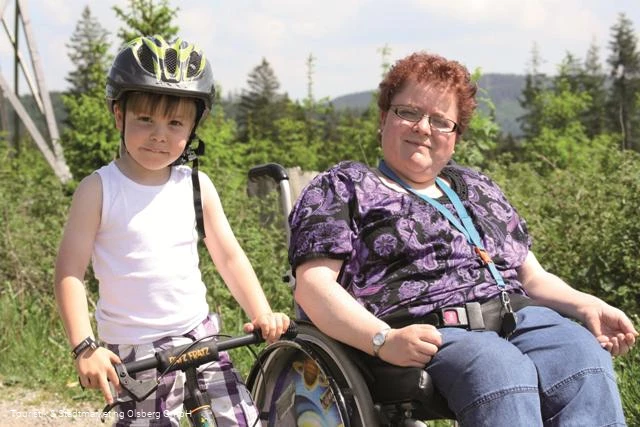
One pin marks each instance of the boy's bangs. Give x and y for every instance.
(169, 105)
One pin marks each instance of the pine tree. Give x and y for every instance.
(89, 137)
(593, 83)
(530, 100)
(625, 90)
(88, 51)
(146, 18)
(569, 74)
(261, 105)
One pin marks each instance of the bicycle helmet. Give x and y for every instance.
(152, 64)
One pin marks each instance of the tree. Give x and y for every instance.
(261, 105)
(593, 83)
(311, 62)
(624, 60)
(569, 73)
(88, 51)
(479, 144)
(561, 139)
(146, 18)
(530, 102)
(89, 137)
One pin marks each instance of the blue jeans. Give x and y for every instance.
(551, 372)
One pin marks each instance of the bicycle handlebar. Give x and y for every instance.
(182, 357)
(199, 352)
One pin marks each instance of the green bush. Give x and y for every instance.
(584, 222)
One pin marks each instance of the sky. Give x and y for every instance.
(345, 37)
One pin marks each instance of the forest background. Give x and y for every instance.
(573, 171)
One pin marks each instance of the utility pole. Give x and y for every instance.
(31, 70)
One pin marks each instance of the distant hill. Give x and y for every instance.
(503, 90)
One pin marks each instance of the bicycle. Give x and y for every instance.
(185, 358)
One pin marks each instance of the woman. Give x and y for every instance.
(438, 245)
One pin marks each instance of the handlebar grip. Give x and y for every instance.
(255, 337)
(291, 332)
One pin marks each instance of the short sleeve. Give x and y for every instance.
(321, 219)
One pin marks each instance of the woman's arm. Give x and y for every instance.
(234, 266)
(336, 313)
(611, 326)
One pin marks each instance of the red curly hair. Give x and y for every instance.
(425, 67)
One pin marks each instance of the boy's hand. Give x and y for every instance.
(272, 325)
(95, 370)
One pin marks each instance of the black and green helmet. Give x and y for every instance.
(152, 64)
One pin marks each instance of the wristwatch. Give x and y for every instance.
(379, 339)
(85, 344)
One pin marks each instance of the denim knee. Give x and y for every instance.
(486, 379)
(577, 381)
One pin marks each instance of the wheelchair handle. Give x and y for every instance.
(279, 174)
(272, 170)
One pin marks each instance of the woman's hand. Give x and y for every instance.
(611, 327)
(413, 345)
(95, 370)
(272, 325)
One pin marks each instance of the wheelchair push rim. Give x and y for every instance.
(310, 381)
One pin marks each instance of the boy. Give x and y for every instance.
(134, 219)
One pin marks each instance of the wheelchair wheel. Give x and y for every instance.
(311, 381)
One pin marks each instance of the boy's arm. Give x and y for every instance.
(234, 266)
(74, 254)
(73, 258)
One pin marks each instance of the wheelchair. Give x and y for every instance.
(314, 380)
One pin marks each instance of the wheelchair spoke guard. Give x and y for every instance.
(310, 381)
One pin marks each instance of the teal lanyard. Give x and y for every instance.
(466, 227)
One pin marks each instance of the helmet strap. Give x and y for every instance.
(192, 155)
(123, 108)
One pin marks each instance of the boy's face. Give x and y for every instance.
(156, 134)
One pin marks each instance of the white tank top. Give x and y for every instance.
(145, 258)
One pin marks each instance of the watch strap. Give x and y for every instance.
(86, 343)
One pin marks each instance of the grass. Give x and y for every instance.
(34, 348)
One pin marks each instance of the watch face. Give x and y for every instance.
(378, 339)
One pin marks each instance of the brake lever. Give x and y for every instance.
(137, 390)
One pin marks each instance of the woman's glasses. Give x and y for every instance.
(411, 114)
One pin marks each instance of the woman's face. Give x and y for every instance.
(415, 151)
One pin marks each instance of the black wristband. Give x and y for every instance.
(86, 343)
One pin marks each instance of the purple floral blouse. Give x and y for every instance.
(400, 254)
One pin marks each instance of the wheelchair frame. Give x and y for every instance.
(314, 366)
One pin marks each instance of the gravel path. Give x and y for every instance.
(23, 407)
